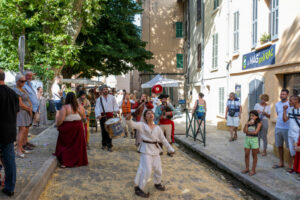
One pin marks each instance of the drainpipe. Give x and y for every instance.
(228, 49)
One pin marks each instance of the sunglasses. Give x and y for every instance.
(22, 81)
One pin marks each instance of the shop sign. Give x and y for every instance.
(259, 58)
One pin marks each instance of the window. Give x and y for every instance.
(274, 19)
(255, 90)
(179, 29)
(236, 31)
(215, 52)
(254, 23)
(179, 61)
(199, 10)
(216, 4)
(221, 101)
(199, 56)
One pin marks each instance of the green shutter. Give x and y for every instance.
(179, 61)
(179, 30)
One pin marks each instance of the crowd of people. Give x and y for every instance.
(287, 129)
(147, 120)
(23, 107)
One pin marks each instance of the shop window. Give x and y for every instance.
(179, 30)
(255, 90)
(221, 101)
(292, 83)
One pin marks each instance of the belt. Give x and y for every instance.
(150, 142)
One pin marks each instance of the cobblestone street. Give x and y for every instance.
(111, 175)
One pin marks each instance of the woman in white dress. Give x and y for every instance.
(151, 136)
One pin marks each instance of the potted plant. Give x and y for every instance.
(265, 38)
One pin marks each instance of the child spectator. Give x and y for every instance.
(251, 128)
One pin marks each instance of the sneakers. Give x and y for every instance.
(160, 187)
(140, 192)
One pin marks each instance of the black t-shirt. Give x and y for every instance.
(9, 107)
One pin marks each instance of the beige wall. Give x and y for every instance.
(158, 29)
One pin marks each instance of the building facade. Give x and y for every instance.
(162, 29)
(248, 47)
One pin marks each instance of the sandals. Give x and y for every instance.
(245, 171)
(277, 166)
(20, 155)
(252, 173)
(290, 170)
(231, 139)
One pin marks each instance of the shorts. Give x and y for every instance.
(200, 115)
(281, 135)
(233, 121)
(58, 104)
(291, 142)
(251, 142)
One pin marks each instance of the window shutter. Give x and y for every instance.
(199, 10)
(199, 56)
(216, 52)
(179, 61)
(221, 101)
(179, 29)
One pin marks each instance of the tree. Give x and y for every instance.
(113, 44)
(50, 27)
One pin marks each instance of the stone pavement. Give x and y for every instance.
(275, 183)
(110, 175)
(29, 166)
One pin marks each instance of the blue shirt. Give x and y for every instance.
(32, 96)
(279, 110)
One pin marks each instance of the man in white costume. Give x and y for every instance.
(150, 149)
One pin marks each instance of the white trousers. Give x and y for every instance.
(127, 128)
(167, 130)
(147, 162)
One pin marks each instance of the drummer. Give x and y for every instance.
(106, 106)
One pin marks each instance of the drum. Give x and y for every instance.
(114, 128)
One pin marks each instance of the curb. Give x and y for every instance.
(221, 165)
(36, 185)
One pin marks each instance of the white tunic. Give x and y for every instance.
(109, 104)
(154, 135)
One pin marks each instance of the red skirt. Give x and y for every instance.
(297, 160)
(71, 145)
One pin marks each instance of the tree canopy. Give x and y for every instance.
(113, 45)
(52, 27)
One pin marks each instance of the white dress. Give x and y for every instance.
(149, 153)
